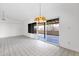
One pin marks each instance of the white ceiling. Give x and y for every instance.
(20, 11)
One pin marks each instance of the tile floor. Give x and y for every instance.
(24, 46)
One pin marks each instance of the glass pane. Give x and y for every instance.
(41, 31)
(53, 31)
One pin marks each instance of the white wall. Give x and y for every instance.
(69, 23)
(16, 13)
(10, 28)
(20, 11)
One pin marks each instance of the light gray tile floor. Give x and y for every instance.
(24, 46)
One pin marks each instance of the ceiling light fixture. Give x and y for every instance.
(40, 18)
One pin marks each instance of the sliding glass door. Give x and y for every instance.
(46, 31)
(53, 31)
(49, 31)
